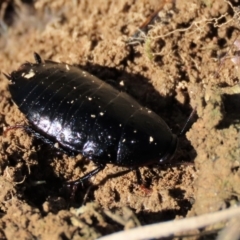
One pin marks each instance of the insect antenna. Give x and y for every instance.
(7, 76)
(187, 123)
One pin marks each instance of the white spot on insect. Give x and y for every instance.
(109, 155)
(101, 113)
(44, 123)
(121, 83)
(132, 106)
(93, 116)
(74, 87)
(151, 139)
(109, 137)
(149, 111)
(120, 125)
(135, 131)
(90, 99)
(28, 75)
(72, 101)
(56, 145)
(67, 67)
(124, 140)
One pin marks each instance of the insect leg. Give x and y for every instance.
(37, 58)
(87, 176)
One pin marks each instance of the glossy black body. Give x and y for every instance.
(84, 114)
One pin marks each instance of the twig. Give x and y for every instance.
(170, 228)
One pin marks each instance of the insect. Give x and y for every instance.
(83, 114)
(141, 34)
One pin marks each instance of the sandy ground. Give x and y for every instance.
(184, 62)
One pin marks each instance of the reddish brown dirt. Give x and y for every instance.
(175, 69)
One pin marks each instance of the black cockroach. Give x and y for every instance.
(83, 114)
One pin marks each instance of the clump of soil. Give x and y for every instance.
(181, 63)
